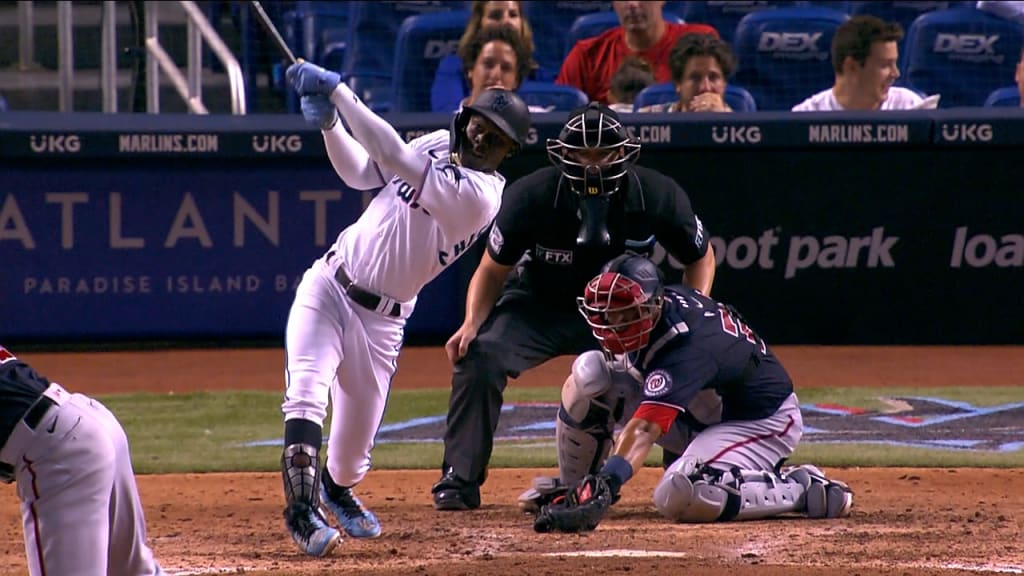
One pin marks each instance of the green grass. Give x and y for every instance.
(204, 432)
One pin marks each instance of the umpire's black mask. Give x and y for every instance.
(594, 152)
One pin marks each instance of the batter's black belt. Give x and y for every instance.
(37, 410)
(363, 297)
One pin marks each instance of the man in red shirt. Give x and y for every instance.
(643, 32)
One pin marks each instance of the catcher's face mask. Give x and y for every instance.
(619, 312)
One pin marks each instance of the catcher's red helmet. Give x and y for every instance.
(622, 304)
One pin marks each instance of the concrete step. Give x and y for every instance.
(87, 33)
(39, 90)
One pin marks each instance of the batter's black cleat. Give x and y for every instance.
(454, 493)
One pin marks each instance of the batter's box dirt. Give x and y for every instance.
(905, 521)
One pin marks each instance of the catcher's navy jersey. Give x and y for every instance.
(539, 215)
(20, 386)
(700, 343)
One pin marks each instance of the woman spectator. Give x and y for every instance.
(495, 57)
(701, 65)
(451, 81)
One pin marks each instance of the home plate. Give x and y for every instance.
(620, 553)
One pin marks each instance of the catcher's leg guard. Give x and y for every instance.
(701, 494)
(825, 498)
(583, 431)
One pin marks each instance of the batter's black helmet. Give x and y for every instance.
(589, 129)
(502, 107)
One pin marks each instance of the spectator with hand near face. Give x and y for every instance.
(701, 65)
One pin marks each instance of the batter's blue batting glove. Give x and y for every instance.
(308, 78)
(318, 110)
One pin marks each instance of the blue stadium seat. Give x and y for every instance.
(594, 24)
(370, 54)
(725, 16)
(3, 103)
(841, 5)
(785, 55)
(735, 96)
(549, 94)
(1008, 96)
(902, 13)
(551, 22)
(963, 54)
(422, 42)
(660, 93)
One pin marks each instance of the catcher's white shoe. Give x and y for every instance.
(545, 490)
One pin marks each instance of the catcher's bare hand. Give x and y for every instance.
(581, 510)
(457, 345)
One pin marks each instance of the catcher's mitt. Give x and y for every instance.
(580, 510)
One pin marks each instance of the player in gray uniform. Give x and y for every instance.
(687, 373)
(80, 507)
(437, 195)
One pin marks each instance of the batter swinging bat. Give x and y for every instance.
(268, 25)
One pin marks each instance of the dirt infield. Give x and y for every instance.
(905, 521)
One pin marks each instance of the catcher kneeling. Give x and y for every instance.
(688, 373)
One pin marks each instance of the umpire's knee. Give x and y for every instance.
(483, 363)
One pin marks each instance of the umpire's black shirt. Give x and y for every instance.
(20, 386)
(539, 216)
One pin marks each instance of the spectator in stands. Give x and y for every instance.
(701, 65)
(1019, 77)
(451, 82)
(633, 76)
(643, 32)
(864, 55)
(495, 57)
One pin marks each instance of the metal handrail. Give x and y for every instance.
(190, 88)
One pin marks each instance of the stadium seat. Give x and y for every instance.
(422, 42)
(370, 54)
(1008, 96)
(555, 97)
(736, 97)
(590, 25)
(551, 22)
(785, 55)
(902, 13)
(963, 54)
(725, 16)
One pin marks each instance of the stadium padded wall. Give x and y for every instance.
(829, 228)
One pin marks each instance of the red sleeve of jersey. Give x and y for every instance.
(658, 414)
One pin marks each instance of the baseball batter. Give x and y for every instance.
(440, 193)
(688, 373)
(69, 455)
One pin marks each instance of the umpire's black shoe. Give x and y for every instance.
(454, 493)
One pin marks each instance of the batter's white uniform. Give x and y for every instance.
(426, 216)
(825, 101)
